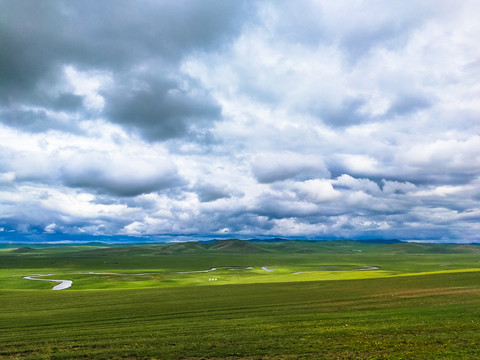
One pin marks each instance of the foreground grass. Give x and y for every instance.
(422, 317)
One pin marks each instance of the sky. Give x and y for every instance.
(316, 119)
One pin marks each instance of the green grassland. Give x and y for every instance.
(350, 301)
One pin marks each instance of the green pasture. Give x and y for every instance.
(349, 301)
(236, 262)
(416, 317)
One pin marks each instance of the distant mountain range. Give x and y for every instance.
(13, 239)
(93, 240)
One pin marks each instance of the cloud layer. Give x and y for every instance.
(313, 118)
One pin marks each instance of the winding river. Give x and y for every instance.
(62, 284)
(65, 284)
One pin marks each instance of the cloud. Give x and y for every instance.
(160, 108)
(268, 168)
(313, 118)
(7, 178)
(37, 120)
(358, 184)
(317, 190)
(408, 104)
(115, 40)
(210, 192)
(120, 176)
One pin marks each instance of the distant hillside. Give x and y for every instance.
(189, 247)
(22, 250)
(363, 241)
(236, 246)
(277, 239)
(379, 241)
(217, 246)
(257, 246)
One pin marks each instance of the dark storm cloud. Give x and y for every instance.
(161, 108)
(38, 39)
(67, 102)
(26, 39)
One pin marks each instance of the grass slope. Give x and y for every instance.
(423, 317)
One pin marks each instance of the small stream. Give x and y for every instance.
(62, 284)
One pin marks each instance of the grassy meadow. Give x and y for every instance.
(278, 300)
